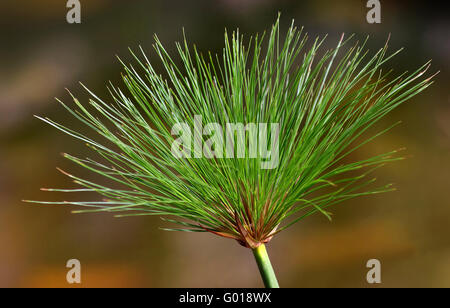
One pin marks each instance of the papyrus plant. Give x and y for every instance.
(325, 106)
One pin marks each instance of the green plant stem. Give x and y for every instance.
(265, 267)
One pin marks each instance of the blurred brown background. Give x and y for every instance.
(41, 54)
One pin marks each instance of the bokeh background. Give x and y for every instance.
(41, 54)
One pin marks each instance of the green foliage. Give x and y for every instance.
(325, 106)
